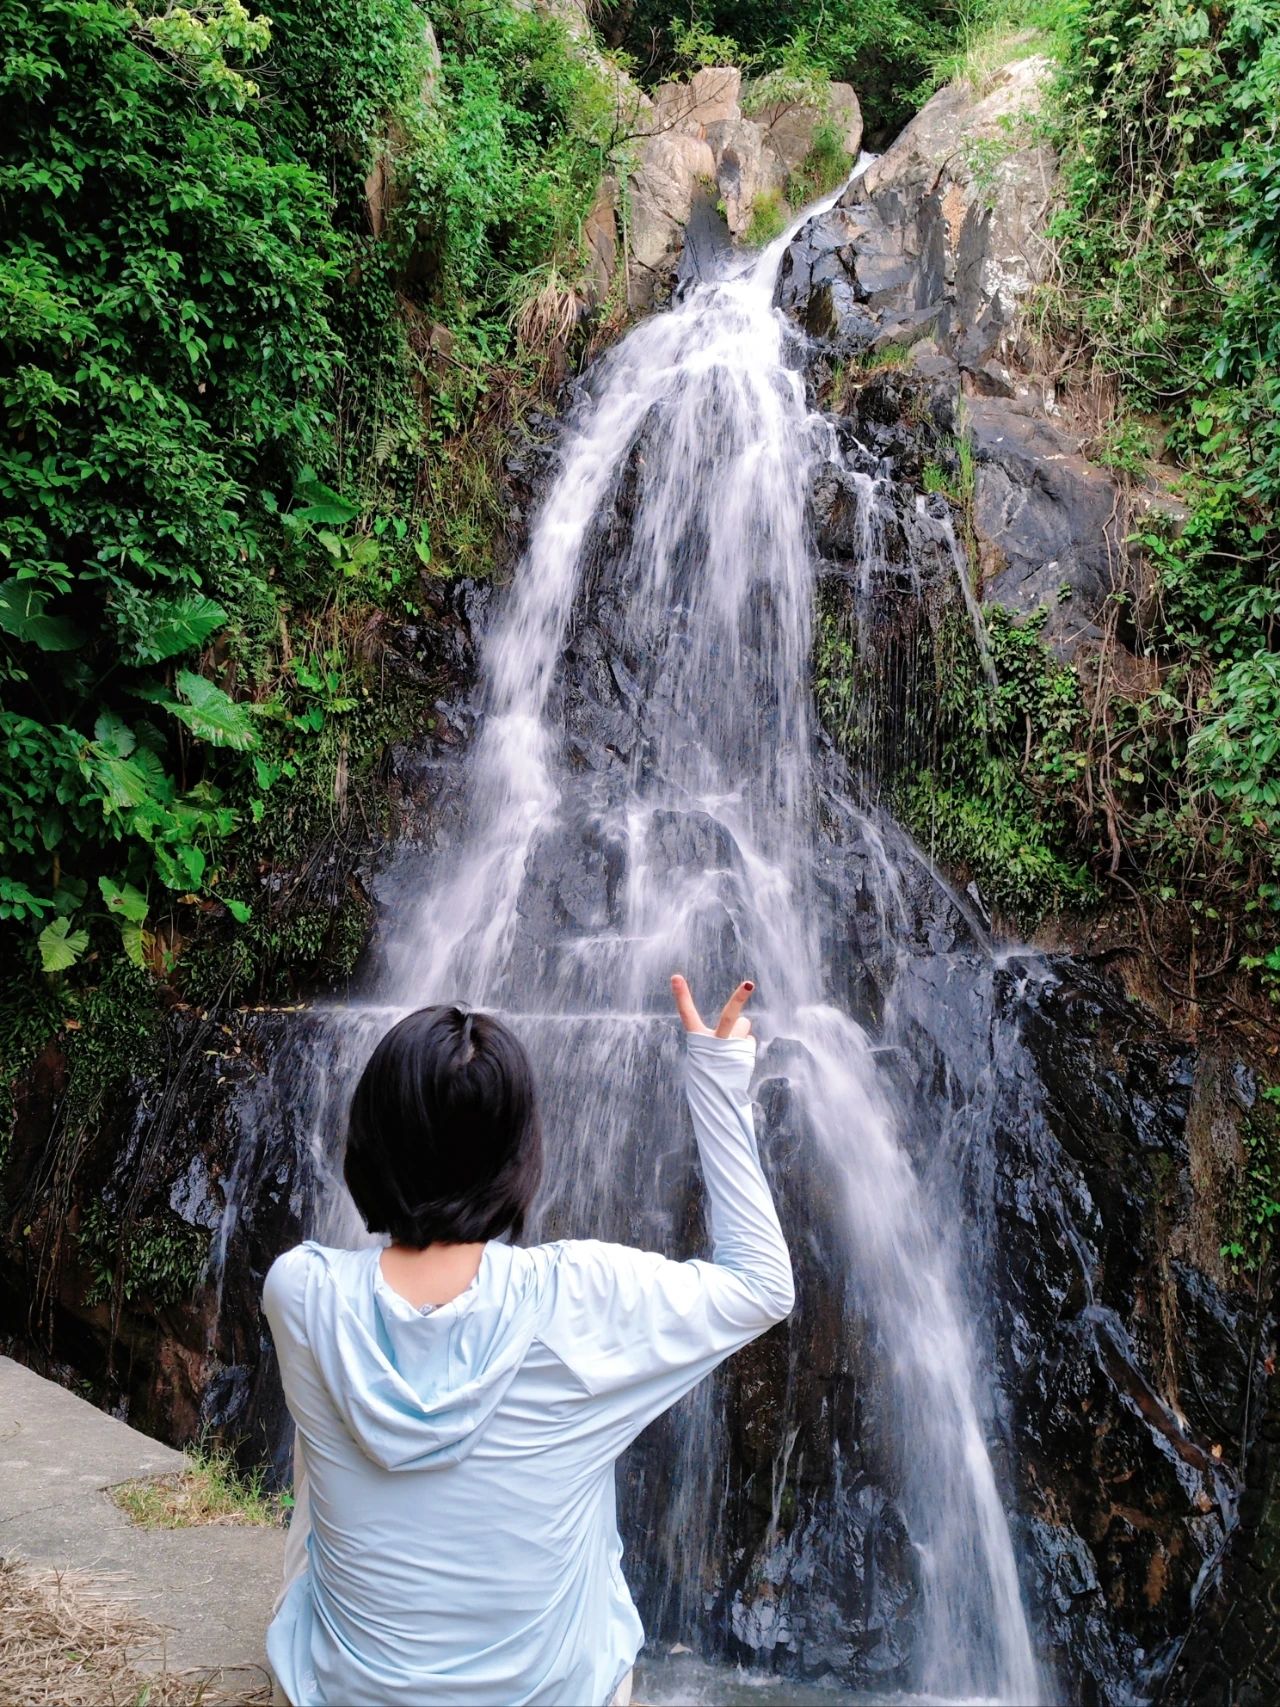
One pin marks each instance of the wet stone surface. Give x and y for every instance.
(1049, 1122)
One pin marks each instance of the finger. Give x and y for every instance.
(741, 1028)
(733, 1007)
(689, 1015)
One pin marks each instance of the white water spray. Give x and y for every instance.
(691, 838)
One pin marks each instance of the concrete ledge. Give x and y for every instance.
(210, 1587)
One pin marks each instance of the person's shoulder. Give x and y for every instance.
(583, 1270)
(287, 1277)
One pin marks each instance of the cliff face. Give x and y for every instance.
(711, 146)
(932, 256)
(1089, 1152)
(1134, 1364)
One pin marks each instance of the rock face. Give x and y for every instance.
(697, 149)
(965, 190)
(1048, 523)
(789, 127)
(929, 258)
(600, 240)
(674, 168)
(1077, 1147)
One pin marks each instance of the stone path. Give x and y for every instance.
(210, 1587)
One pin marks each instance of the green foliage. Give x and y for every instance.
(882, 359)
(166, 347)
(995, 803)
(160, 1258)
(983, 832)
(28, 1019)
(885, 48)
(1166, 119)
(934, 478)
(1257, 1208)
(210, 1488)
(768, 219)
(693, 44)
(983, 777)
(985, 35)
(508, 156)
(230, 441)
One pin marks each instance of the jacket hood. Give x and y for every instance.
(416, 1390)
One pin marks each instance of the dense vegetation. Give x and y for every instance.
(889, 49)
(258, 297)
(1153, 782)
(1170, 128)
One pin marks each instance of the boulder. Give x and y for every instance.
(1047, 522)
(968, 187)
(706, 241)
(952, 217)
(745, 168)
(671, 168)
(695, 133)
(709, 97)
(789, 126)
(600, 240)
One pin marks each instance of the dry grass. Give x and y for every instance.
(548, 315)
(65, 1643)
(211, 1490)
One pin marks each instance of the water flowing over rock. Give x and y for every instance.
(932, 254)
(998, 1451)
(698, 150)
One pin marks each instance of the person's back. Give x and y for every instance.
(457, 1495)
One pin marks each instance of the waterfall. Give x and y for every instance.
(647, 793)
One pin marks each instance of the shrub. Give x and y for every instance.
(768, 219)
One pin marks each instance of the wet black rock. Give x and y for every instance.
(706, 242)
(1049, 522)
(921, 269)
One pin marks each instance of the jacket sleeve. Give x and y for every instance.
(638, 1330)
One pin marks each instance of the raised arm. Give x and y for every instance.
(745, 1236)
(639, 1330)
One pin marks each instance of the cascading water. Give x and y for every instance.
(680, 829)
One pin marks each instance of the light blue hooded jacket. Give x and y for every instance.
(457, 1496)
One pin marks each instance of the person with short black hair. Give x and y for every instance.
(461, 1401)
(444, 1144)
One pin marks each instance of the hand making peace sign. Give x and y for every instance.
(730, 1024)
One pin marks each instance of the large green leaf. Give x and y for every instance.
(134, 941)
(124, 899)
(179, 865)
(178, 625)
(22, 614)
(321, 504)
(212, 714)
(114, 735)
(60, 946)
(125, 784)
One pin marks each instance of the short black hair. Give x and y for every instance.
(444, 1141)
